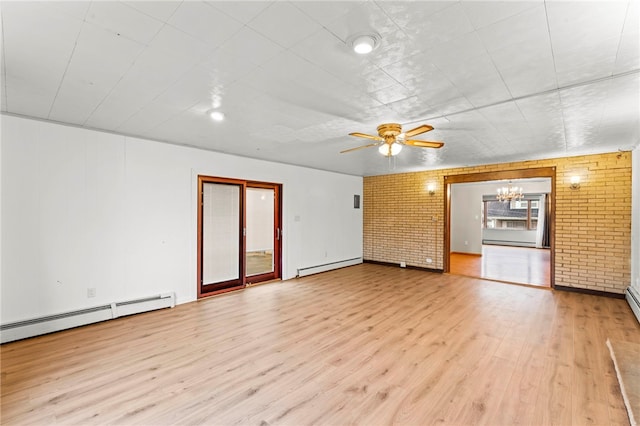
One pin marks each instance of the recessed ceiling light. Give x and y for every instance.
(364, 43)
(216, 115)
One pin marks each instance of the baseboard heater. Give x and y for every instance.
(310, 270)
(51, 323)
(633, 298)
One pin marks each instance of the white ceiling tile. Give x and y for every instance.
(622, 103)
(153, 72)
(191, 87)
(177, 42)
(116, 109)
(533, 71)
(411, 67)
(586, 63)
(485, 13)
(87, 64)
(75, 101)
(523, 29)
(628, 56)
(585, 37)
(452, 105)
(150, 116)
(541, 110)
(160, 10)
(329, 53)
(326, 12)
(25, 98)
(123, 20)
(74, 9)
(369, 79)
(392, 94)
(445, 25)
(462, 50)
(581, 22)
(298, 25)
(394, 47)
(479, 81)
(243, 11)
(195, 18)
(248, 43)
(362, 17)
(287, 64)
(37, 48)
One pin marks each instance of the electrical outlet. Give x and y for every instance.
(429, 260)
(91, 292)
(403, 264)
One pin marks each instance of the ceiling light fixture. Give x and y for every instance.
(363, 43)
(509, 193)
(216, 115)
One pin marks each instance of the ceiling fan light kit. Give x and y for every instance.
(390, 150)
(391, 138)
(364, 43)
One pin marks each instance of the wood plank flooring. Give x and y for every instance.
(368, 344)
(522, 265)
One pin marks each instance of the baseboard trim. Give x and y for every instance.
(397, 265)
(589, 291)
(467, 254)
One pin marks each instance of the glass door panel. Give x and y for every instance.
(260, 231)
(222, 238)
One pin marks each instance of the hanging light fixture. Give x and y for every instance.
(509, 193)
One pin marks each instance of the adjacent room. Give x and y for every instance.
(311, 212)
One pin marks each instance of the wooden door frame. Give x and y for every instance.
(220, 180)
(541, 172)
(277, 232)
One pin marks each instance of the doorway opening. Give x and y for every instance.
(239, 234)
(510, 241)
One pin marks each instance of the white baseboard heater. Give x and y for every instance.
(310, 270)
(633, 298)
(50, 323)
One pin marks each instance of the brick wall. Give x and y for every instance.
(404, 223)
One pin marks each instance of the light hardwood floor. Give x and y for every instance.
(522, 265)
(365, 345)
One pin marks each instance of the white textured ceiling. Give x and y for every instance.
(499, 81)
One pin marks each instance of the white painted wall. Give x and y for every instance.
(635, 220)
(466, 211)
(85, 209)
(466, 218)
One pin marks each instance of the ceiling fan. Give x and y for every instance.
(391, 138)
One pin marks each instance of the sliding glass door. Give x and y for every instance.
(239, 234)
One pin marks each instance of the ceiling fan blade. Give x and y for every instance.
(424, 144)
(364, 135)
(420, 129)
(360, 147)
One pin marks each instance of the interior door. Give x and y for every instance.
(263, 233)
(221, 235)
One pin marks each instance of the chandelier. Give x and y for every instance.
(509, 193)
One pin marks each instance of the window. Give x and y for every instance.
(514, 215)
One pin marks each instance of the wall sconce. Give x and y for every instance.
(575, 182)
(431, 188)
